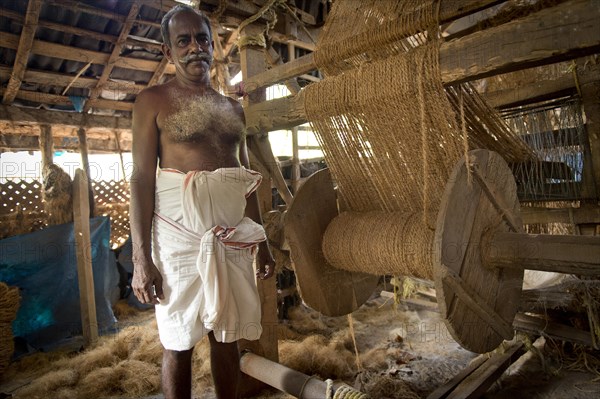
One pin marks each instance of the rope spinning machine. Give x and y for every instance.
(392, 146)
(478, 250)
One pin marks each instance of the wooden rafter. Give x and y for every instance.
(47, 98)
(63, 80)
(159, 72)
(114, 56)
(13, 142)
(77, 6)
(15, 16)
(55, 50)
(23, 50)
(31, 116)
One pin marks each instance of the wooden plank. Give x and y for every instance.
(444, 390)
(15, 16)
(274, 59)
(31, 116)
(83, 150)
(569, 254)
(292, 39)
(537, 325)
(85, 276)
(537, 215)
(23, 50)
(12, 142)
(55, 50)
(63, 80)
(81, 7)
(299, 66)
(9, 128)
(589, 85)
(475, 385)
(114, 56)
(46, 145)
(159, 72)
(556, 297)
(47, 98)
(278, 114)
(532, 92)
(545, 36)
(477, 304)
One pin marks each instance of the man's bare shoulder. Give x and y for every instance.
(235, 104)
(153, 97)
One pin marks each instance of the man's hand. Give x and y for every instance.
(265, 265)
(147, 282)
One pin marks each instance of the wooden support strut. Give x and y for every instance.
(552, 253)
(23, 50)
(81, 218)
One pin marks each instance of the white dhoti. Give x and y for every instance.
(204, 248)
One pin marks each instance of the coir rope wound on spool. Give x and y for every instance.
(380, 243)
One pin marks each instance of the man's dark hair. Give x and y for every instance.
(164, 24)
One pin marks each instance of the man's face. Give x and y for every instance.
(191, 46)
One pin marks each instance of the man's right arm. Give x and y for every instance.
(146, 277)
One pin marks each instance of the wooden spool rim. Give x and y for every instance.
(331, 291)
(478, 304)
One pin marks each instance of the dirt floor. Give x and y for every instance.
(404, 351)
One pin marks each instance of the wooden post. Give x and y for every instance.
(571, 254)
(295, 161)
(253, 61)
(85, 276)
(83, 149)
(46, 145)
(589, 87)
(292, 30)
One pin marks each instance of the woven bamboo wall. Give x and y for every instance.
(22, 207)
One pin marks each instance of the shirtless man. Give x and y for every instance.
(185, 125)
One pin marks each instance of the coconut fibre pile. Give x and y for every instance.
(127, 364)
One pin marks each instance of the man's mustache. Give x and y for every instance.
(196, 57)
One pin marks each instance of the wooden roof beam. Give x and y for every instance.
(531, 92)
(13, 142)
(63, 80)
(114, 56)
(60, 131)
(159, 72)
(23, 50)
(80, 31)
(55, 99)
(77, 6)
(32, 116)
(55, 50)
(542, 38)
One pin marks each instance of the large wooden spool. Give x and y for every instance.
(478, 251)
(329, 290)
